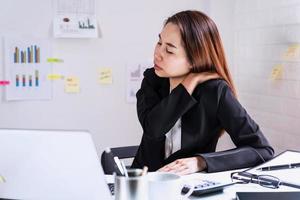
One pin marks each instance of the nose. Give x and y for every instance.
(157, 55)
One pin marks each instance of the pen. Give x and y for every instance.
(118, 163)
(277, 167)
(124, 168)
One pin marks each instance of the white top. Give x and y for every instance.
(173, 139)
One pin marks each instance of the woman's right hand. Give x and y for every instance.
(193, 79)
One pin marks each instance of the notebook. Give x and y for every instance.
(268, 195)
(286, 175)
(44, 164)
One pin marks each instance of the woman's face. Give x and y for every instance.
(170, 58)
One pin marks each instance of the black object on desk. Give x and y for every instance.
(277, 167)
(268, 195)
(109, 164)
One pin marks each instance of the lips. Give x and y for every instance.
(156, 67)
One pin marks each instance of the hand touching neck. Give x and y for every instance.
(175, 81)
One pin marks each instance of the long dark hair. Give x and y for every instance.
(202, 43)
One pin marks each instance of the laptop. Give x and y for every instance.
(47, 164)
(268, 195)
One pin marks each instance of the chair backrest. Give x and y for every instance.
(122, 153)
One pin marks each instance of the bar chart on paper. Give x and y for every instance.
(26, 68)
(27, 80)
(29, 55)
(134, 78)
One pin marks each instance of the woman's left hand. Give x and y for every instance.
(185, 166)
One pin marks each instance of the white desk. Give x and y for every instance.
(229, 193)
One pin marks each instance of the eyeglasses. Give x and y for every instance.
(263, 180)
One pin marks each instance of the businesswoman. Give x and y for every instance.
(187, 101)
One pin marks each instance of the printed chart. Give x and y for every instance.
(26, 68)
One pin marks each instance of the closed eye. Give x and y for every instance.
(169, 52)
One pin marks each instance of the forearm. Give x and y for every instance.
(159, 119)
(236, 158)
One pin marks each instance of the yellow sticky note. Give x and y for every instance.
(54, 60)
(55, 77)
(105, 75)
(293, 51)
(277, 72)
(72, 85)
(2, 179)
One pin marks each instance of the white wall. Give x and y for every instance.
(255, 33)
(264, 31)
(128, 31)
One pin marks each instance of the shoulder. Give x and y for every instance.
(212, 92)
(214, 87)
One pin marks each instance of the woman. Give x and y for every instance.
(188, 99)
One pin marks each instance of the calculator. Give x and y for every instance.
(205, 187)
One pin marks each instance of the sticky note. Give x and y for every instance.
(105, 75)
(2, 179)
(72, 84)
(293, 51)
(54, 60)
(277, 72)
(4, 82)
(55, 77)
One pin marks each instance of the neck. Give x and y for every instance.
(175, 81)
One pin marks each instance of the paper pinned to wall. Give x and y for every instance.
(72, 84)
(26, 68)
(277, 72)
(105, 75)
(134, 78)
(292, 52)
(75, 19)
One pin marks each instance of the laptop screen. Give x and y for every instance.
(44, 164)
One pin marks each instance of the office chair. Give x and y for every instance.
(121, 152)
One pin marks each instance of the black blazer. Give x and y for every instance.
(204, 114)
